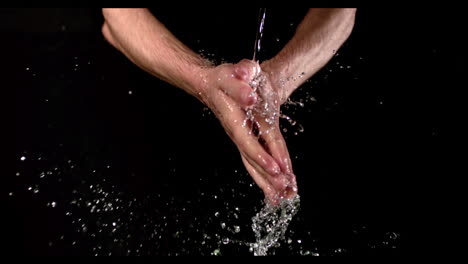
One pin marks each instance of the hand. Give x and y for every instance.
(227, 92)
(264, 117)
(250, 118)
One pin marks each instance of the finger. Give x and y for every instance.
(238, 90)
(270, 193)
(277, 182)
(246, 70)
(291, 191)
(232, 118)
(276, 146)
(254, 151)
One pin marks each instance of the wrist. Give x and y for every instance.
(200, 75)
(189, 74)
(281, 75)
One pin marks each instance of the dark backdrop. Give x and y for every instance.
(375, 151)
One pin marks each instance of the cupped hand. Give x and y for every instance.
(229, 90)
(264, 117)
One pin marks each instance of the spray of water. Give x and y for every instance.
(271, 223)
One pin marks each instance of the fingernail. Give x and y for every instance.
(240, 73)
(252, 98)
(294, 188)
(285, 164)
(275, 170)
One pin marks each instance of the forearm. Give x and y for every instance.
(317, 38)
(148, 44)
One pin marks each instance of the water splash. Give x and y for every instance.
(271, 223)
(105, 219)
(266, 108)
(267, 111)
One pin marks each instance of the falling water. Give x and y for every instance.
(258, 39)
(271, 223)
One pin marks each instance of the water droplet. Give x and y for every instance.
(236, 229)
(216, 214)
(223, 225)
(10, 194)
(18, 174)
(53, 204)
(27, 68)
(225, 241)
(393, 235)
(114, 224)
(339, 250)
(216, 252)
(130, 92)
(23, 158)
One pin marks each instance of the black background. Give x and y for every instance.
(378, 147)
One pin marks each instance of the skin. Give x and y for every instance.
(226, 89)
